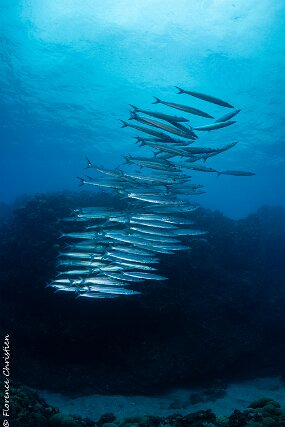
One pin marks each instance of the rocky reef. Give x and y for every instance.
(225, 298)
(29, 410)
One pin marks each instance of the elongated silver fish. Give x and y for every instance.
(144, 191)
(80, 272)
(161, 218)
(112, 290)
(149, 230)
(159, 201)
(220, 150)
(170, 209)
(196, 167)
(132, 265)
(102, 215)
(114, 173)
(155, 239)
(80, 235)
(147, 276)
(59, 288)
(123, 277)
(153, 179)
(79, 263)
(154, 123)
(100, 280)
(214, 126)
(168, 149)
(105, 184)
(215, 153)
(227, 117)
(151, 223)
(185, 108)
(131, 250)
(151, 163)
(200, 150)
(235, 173)
(133, 258)
(159, 135)
(161, 116)
(188, 232)
(96, 295)
(82, 255)
(204, 97)
(170, 141)
(87, 247)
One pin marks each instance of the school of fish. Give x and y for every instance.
(114, 250)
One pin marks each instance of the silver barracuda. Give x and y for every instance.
(147, 276)
(170, 141)
(214, 126)
(132, 258)
(114, 173)
(161, 116)
(166, 128)
(185, 108)
(123, 277)
(149, 131)
(205, 97)
(196, 167)
(95, 295)
(131, 250)
(227, 117)
(235, 173)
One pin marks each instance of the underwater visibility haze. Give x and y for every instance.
(69, 71)
(142, 211)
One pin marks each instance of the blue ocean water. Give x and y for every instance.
(204, 327)
(69, 69)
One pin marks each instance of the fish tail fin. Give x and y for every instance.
(89, 164)
(117, 169)
(127, 159)
(61, 235)
(89, 178)
(157, 100)
(48, 284)
(133, 115)
(81, 181)
(138, 139)
(125, 124)
(60, 273)
(179, 90)
(219, 174)
(72, 282)
(135, 108)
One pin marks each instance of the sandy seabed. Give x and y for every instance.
(238, 396)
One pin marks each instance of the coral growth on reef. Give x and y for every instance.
(29, 410)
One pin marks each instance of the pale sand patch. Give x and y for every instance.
(238, 396)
